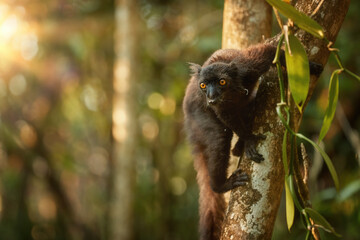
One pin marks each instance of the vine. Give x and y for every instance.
(298, 73)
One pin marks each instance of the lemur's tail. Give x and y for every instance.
(211, 205)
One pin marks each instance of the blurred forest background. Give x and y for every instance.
(56, 93)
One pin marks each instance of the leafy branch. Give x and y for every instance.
(297, 67)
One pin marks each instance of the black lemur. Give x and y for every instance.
(217, 104)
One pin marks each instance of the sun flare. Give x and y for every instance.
(18, 39)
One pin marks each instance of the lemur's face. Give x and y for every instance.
(219, 82)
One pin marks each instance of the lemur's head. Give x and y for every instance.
(219, 81)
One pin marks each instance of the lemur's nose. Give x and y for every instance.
(211, 95)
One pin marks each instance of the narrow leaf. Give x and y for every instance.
(349, 191)
(300, 19)
(297, 65)
(290, 210)
(320, 221)
(290, 182)
(284, 153)
(352, 74)
(332, 102)
(325, 157)
(319, 149)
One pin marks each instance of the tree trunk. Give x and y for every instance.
(124, 123)
(245, 23)
(252, 209)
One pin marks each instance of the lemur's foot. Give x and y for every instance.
(238, 178)
(250, 148)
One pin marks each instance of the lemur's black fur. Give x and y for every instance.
(218, 103)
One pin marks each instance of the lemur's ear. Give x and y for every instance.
(234, 69)
(232, 65)
(194, 69)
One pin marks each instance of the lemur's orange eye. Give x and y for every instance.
(202, 85)
(222, 82)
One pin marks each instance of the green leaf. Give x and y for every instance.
(297, 65)
(319, 149)
(290, 210)
(325, 157)
(332, 102)
(349, 191)
(352, 74)
(284, 153)
(320, 221)
(300, 19)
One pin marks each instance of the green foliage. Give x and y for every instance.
(325, 157)
(320, 221)
(332, 102)
(284, 152)
(341, 214)
(55, 122)
(290, 210)
(348, 191)
(297, 66)
(299, 78)
(299, 18)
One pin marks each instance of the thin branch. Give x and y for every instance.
(278, 18)
(306, 166)
(317, 8)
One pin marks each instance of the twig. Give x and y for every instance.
(286, 33)
(317, 8)
(278, 17)
(306, 164)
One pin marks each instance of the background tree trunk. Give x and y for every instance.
(245, 23)
(124, 122)
(252, 209)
